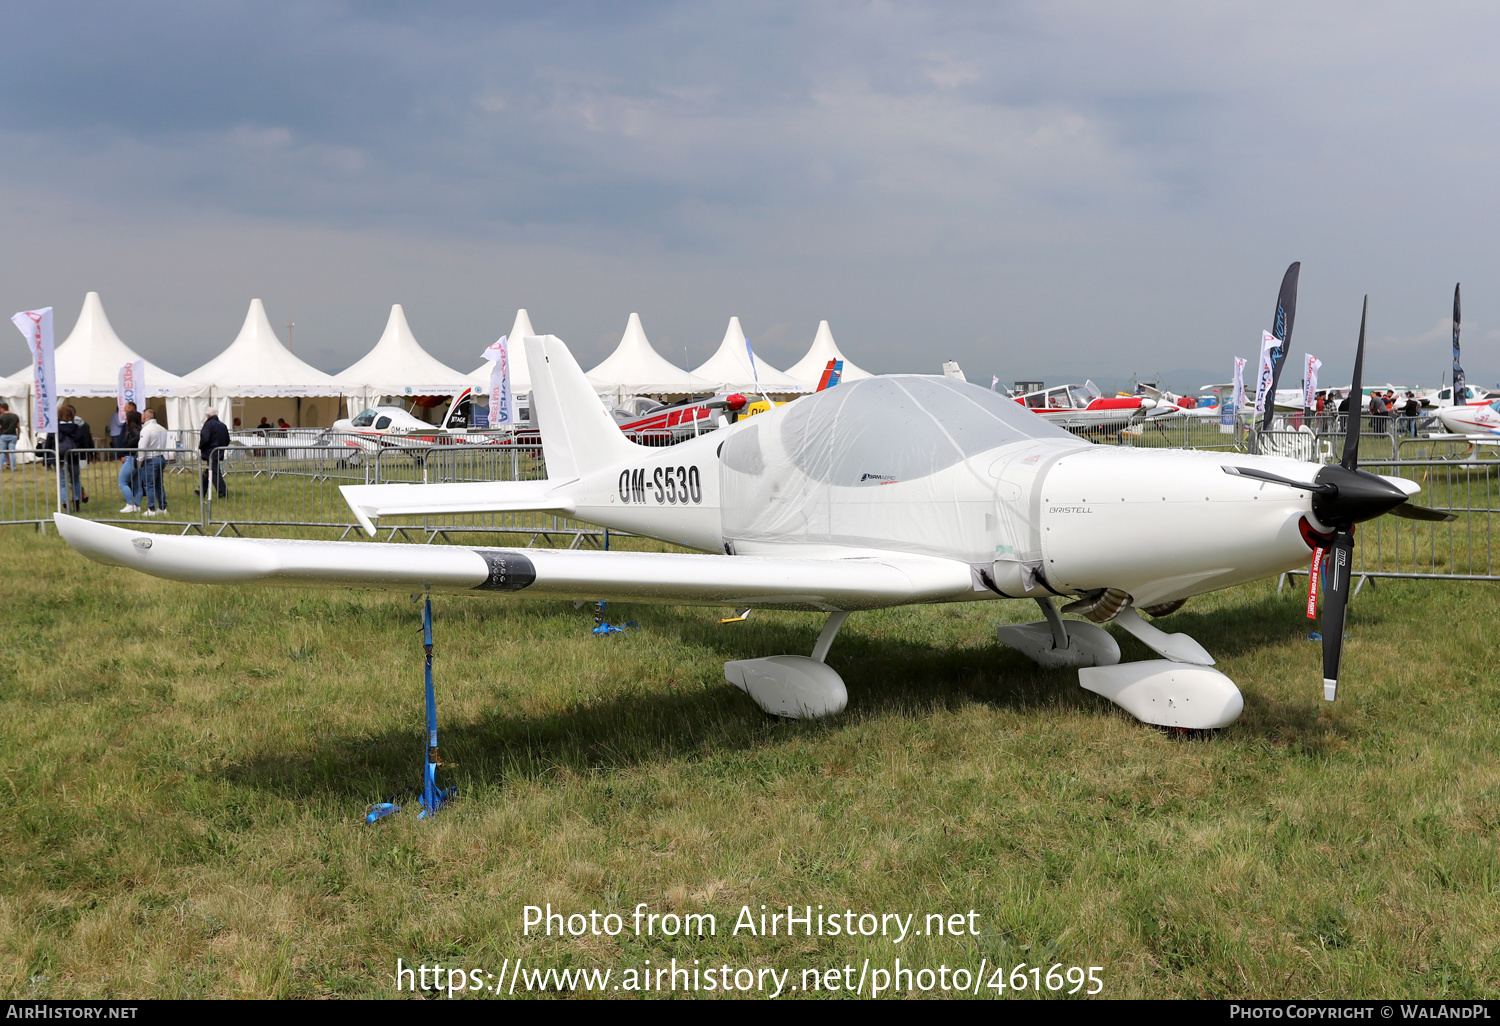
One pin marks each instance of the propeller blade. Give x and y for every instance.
(1411, 511)
(1356, 399)
(1261, 475)
(1335, 605)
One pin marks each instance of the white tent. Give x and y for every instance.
(398, 365)
(16, 391)
(88, 365)
(729, 368)
(634, 368)
(257, 366)
(520, 374)
(809, 369)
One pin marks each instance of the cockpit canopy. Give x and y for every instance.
(1064, 397)
(891, 428)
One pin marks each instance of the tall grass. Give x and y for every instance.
(184, 770)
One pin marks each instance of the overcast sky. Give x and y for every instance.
(1036, 190)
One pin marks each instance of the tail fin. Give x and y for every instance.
(578, 434)
(832, 373)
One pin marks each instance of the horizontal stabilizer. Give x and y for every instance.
(369, 502)
(681, 578)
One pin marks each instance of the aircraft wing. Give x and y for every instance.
(389, 500)
(861, 581)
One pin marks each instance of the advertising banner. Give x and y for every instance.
(36, 325)
(131, 387)
(1310, 366)
(1265, 380)
(502, 411)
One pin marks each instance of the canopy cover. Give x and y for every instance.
(809, 370)
(634, 368)
(729, 368)
(520, 375)
(256, 364)
(398, 365)
(874, 460)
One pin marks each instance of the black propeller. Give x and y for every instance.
(1343, 515)
(1343, 495)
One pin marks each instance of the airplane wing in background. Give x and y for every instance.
(369, 502)
(857, 582)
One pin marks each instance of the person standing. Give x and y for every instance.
(115, 428)
(153, 444)
(10, 431)
(71, 436)
(1413, 410)
(130, 483)
(212, 441)
(1379, 408)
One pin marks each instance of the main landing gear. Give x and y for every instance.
(1181, 691)
(796, 687)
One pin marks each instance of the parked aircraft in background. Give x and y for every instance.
(1081, 407)
(886, 491)
(1441, 397)
(1481, 418)
(648, 422)
(392, 427)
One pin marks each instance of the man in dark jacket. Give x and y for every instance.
(10, 431)
(211, 443)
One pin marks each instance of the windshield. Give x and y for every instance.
(898, 427)
(365, 419)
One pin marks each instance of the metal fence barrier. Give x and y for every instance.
(278, 486)
(31, 492)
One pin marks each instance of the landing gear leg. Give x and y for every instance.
(1055, 621)
(830, 631)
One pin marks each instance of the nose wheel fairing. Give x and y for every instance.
(1182, 691)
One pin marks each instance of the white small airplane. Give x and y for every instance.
(1481, 419)
(385, 426)
(881, 492)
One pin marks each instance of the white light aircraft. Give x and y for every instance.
(881, 492)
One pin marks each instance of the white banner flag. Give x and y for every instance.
(36, 325)
(495, 349)
(1310, 367)
(131, 387)
(1239, 382)
(1268, 342)
(502, 403)
(751, 353)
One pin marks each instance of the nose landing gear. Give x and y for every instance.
(1181, 691)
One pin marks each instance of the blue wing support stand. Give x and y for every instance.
(433, 797)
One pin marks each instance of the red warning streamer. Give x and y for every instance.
(1314, 578)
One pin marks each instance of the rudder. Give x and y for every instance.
(579, 436)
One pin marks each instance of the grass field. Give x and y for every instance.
(185, 772)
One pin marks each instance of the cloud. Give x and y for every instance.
(1115, 186)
